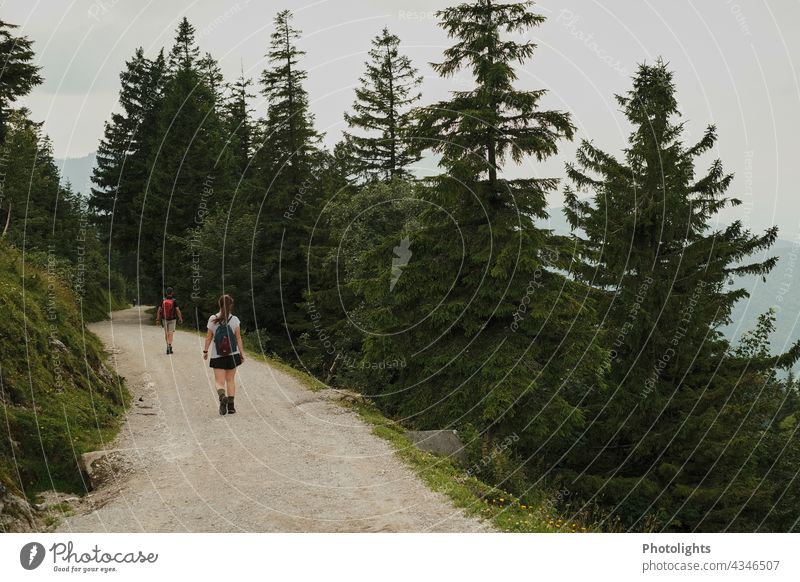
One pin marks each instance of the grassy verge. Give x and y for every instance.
(57, 397)
(503, 510)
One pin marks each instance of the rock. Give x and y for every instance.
(16, 514)
(57, 344)
(104, 466)
(105, 374)
(342, 395)
(439, 442)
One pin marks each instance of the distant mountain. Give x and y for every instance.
(780, 291)
(78, 172)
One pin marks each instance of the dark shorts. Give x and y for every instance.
(226, 362)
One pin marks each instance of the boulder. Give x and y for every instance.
(57, 344)
(16, 514)
(439, 442)
(104, 466)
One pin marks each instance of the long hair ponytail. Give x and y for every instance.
(225, 309)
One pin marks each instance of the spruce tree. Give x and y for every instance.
(675, 438)
(212, 76)
(30, 188)
(18, 74)
(471, 297)
(239, 126)
(122, 170)
(287, 189)
(389, 89)
(290, 135)
(189, 171)
(184, 54)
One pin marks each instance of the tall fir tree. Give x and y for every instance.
(184, 54)
(472, 295)
(238, 118)
(189, 171)
(290, 137)
(676, 437)
(122, 169)
(388, 91)
(19, 73)
(31, 191)
(212, 76)
(287, 191)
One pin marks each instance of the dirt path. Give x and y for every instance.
(289, 460)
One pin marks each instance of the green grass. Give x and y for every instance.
(57, 400)
(55, 513)
(504, 511)
(306, 380)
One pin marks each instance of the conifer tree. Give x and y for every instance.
(388, 90)
(290, 134)
(472, 297)
(677, 435)
(30, 189)
(288, 188)
(184, 54)
(239, 125)
(212, 76)
(189, 169)
(19, 74)
(17, 77)
(122, 170)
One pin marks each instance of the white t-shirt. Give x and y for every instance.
(212, 327)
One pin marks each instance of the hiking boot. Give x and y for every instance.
(231, 409)
(169, 350)
(223, 405)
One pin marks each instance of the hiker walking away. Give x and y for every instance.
(169, 312)
(227, 352)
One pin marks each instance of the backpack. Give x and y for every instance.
(224, 339)
(168, 309)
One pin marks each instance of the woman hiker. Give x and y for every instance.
(227, 352)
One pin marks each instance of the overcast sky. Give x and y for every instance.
(733, 61)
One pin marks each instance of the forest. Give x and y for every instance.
(595, 358)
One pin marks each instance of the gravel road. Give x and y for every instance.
(290, 460)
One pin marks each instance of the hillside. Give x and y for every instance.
(781, 290)
(78, 172)
(58, 397)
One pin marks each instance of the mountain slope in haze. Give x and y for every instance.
(78, 172)
(780, 291)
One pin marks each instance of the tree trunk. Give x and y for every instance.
(8, 221)
(491, 145)
(392, 120)
(290, 85)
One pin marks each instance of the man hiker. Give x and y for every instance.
(168, 312)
